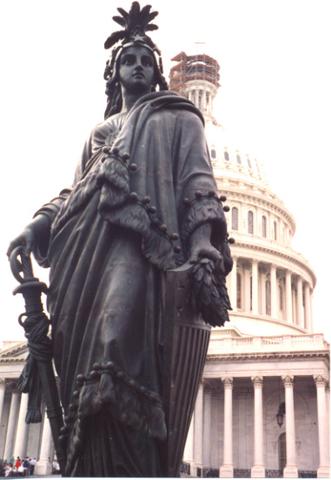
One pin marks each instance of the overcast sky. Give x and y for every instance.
(274, 102)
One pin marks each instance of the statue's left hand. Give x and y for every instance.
(200, 247)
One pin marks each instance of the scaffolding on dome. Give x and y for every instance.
(193, 67)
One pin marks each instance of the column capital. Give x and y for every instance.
(257, 381)
(228, 382)
(288, 380)
(320, 380)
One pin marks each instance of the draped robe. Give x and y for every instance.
(144, 184)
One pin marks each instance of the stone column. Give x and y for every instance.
(226, 470)
(207, 423)
(288, 299)
(233, 284)
(258, 469)
(291, 469)
(300, 319)
(198, 432)
(2, 394)
(255, 287)
(273, 288)
(189, 445)
(308, 323)
(22, 428)
(294, 305)
(323, 469)
(11, 427)
(44, 464)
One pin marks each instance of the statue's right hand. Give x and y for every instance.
(26, 239)
(32, 235)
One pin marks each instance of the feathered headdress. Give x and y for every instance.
(135, 24)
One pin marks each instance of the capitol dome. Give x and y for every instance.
(261, 405)
(271, 284)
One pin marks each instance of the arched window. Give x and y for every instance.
(238, 159)
(226, 156)
(249, 162)
(234, 218)
(239, 291)
(250, 222)
(275, 230)
(213, 153)
(264, 226)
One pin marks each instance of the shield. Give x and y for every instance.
(186, 339)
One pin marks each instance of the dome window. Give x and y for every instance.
(264, 226)
(275, 230)
(250, 222)
(238, 159)
(226, 156)
(249, 163)
(234, 218)
(213, 153)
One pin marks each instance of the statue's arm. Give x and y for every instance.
(35, 236)
(201, 217)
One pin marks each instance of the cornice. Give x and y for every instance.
(215, 357)
(273, 251)
(10, 352)
(11, 361)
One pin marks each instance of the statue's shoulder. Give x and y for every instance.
(168, 104)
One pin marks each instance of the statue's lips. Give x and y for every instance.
(138, 75)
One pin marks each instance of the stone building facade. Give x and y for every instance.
(263, 404)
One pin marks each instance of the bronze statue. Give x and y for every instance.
(143, 202)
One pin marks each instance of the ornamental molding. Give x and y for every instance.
(288, 380)
(277, 253)
(257, 381)
(216, 357)
(12, 351)
(320, 381)
(12, 361)
(228, 382)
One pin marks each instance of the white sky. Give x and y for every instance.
(275, 102)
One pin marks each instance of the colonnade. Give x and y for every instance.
(197, 436)
(202, 98)
(265, 289)
(16, 433)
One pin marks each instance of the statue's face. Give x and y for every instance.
(136, 70)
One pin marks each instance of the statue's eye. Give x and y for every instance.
(147, 61)
(128, 59)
